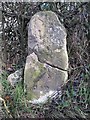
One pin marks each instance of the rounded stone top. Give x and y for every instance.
(46, 29)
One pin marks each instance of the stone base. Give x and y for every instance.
(45, 98)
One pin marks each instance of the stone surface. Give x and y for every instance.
(15, 77)
(47, 62)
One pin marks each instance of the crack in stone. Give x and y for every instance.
(54, 66)
(48, 63)
(44, 71)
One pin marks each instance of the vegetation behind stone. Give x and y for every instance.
(75, 101)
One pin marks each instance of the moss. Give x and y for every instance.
(30, 95)
(36, 74)
(30, 75)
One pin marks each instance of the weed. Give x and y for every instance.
(16, 102)
(14, 97)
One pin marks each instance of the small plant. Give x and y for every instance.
(14, 97)
(72, 102)
(75, 102)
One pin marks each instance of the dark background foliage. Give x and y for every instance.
(74, 16)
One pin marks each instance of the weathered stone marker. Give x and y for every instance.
(47, 62)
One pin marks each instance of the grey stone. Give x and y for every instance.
(15, 77)
(47, 62)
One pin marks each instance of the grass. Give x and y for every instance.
(16, 102)
(13, 96)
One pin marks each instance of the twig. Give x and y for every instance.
(1, 99)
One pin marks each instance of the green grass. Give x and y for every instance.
(17, 102)
(14, 96)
